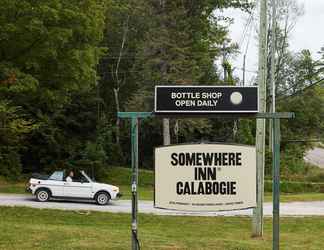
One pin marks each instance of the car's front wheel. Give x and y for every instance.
(42, 195)
(102, 198)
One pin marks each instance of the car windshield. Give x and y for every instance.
(79, 177)
(85, 175)
(57, 176)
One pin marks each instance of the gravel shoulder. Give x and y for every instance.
(315, 157)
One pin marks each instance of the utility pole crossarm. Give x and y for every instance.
(134, 114)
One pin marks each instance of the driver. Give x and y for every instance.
(69, 178)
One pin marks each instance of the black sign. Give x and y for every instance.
(206, 99)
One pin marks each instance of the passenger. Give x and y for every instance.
(69, 178)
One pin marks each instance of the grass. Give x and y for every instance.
(12, 187)
(27, 228)
(122, 177)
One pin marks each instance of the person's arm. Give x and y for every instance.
(68, 179)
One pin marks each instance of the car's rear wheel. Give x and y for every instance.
(102, 198)
(42, 195)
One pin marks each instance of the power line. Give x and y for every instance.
(245, 53)
(248, 70)
(136, 56)
(300, 91)
(247, 26)
(247, 31)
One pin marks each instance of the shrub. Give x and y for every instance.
(296, 187)
(10, 166)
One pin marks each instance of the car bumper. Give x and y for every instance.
(118, 195)
(28, 190)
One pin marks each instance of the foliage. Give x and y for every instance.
(10, 165)
(309, 110)
(296, 187)
(105, 140)
(49, 51)
(67, 66)
(173, 42)
(14, 128)
(300, 93)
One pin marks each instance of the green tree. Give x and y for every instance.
(304, 96)
(48, 54)
(15, 127)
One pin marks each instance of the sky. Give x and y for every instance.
(307, 34)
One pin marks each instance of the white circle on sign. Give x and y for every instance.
(236, 98)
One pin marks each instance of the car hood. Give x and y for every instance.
(104, 185)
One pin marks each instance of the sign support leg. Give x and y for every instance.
(134, 142)
(276, 184)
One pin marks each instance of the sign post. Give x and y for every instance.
(134, 141)
(204, 101)
(276, 183)
(134, 117)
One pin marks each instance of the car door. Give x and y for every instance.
(78, 189)
(55, 183)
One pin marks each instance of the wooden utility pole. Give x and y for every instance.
(163, 70)
(272, 87)
(257, 220)
(244, 63)
(224, 63)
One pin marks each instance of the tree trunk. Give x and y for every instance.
(116, 94)
(166, 132)
(118, 81)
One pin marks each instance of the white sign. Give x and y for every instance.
(205, 177)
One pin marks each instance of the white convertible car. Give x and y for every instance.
(83, 187)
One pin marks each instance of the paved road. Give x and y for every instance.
(124, 206)
(316, 157)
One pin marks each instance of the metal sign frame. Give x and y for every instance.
(275, 117)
